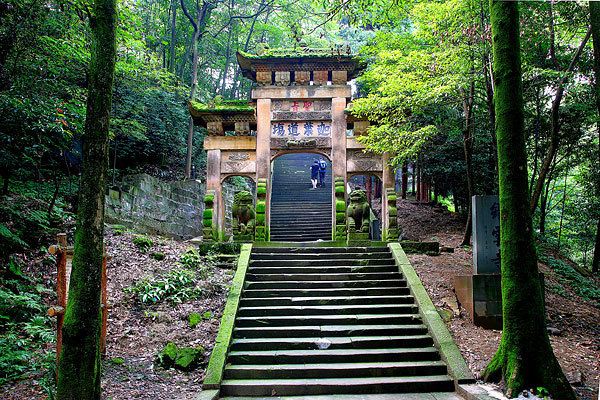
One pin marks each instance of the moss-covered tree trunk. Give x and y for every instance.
(524, 358)
(595, 24)
(79, 365)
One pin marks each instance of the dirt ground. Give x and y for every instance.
(137, 333)
(576, 323)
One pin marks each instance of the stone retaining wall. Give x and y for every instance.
(149, 205)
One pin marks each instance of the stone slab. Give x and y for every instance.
(486, 234)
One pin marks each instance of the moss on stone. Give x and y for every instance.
(222, 106)
(296, 52)
(260, 206)
(207, 214)
(340, 206)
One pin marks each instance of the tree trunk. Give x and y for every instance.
(468, 151)
(596, 259)
(173, 36)
(595, 24)
(79, 365)
(412, 183)
(524, 358)
(404, 180)
(543, 203)
(198, 25)
(555, 128)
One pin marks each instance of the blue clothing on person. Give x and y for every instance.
(322, 169)
(314, 170)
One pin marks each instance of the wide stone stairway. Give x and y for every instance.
(299, 214)
(328, 321)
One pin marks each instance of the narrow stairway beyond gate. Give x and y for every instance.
(299, 214)
(328, 321)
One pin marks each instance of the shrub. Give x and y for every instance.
(176, 286)
(118, 229)
(158, 256)
(143, 243)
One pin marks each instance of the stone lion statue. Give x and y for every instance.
(358, 212)
(243, 213)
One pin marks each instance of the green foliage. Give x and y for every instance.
(117, 360)
(119, 229)
(195, 318)
(182, 358)
(158, 256)
(25, 330)
(584, 287)
(176, 286)
(143, 243)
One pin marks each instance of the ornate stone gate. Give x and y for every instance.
(300, 103)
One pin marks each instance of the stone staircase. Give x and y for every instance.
(328, 321)
(299, 214)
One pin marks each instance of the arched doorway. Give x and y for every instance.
(299, 213)
(373, 187)
(230, 186)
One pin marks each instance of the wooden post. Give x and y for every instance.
(62, 255)
(61, 288)
(104, 306)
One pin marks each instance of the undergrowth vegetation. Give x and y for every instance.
(26, 333)
(190, 280)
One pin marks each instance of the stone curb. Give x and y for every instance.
(216, 364)
(457, 367)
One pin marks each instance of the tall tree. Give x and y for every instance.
(595, 24)
(79, 364)
(198, 23)
(524, 358)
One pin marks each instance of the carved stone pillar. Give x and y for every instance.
(263, 153)
(338, 160)
(213, 187)
(389, 212)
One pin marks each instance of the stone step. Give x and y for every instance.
(320, 300)
(326, 270)
(325, 284)
(285, 229)
(294, 205)
(299, 238)
(335, 310)
(313, 250)
(328, 330)
(293, 261)
(321, 256)
(316, 343)
(325, 276)
(295, 387)
(327, 292)
(337, 370)
(380, 396)
(333, 356)
(301, 320)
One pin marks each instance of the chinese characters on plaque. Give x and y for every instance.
(486, 234)
(301, 129)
